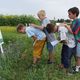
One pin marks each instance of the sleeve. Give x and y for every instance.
(76, 27)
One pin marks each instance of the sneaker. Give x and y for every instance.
(74, 69)
(77, 71)
(50, 62)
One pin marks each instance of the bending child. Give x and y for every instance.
(39, 38)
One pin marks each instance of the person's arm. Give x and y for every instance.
(69, 29)
(36, 26)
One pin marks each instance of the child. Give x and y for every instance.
(68, 48)
(73, 14)
(44, 21)
(39, 38)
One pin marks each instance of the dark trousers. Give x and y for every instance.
(66, 55)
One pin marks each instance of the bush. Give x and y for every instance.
(13, 20)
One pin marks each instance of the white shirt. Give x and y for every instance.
(62, 33)
(67, 36)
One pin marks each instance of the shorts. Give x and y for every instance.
(50, 37)
(50, 47)
(78, 50)
(38, 47)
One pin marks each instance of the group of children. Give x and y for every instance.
(45, 33)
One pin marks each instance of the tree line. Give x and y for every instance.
(13, 20)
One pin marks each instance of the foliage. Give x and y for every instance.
(13, 20)
(62, 20)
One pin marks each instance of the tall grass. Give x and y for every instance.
(16, 64)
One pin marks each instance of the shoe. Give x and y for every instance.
(50, 62)
(74, 69)
(77, 71)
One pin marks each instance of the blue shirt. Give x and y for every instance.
(45, 21)
(31, 31)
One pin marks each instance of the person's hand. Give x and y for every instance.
(34, 38)
(65, 24)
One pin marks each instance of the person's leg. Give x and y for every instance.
(75, 58)
(78, 57)
(34, 60)
(51, 56)
(71, 53)
(66, 57)
(37, 50)
(63, 64)
(50, 37)
(51, 53)
(74, 54)
(62, 57)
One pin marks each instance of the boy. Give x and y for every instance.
(68, 48)
(73, 14)
(44, 21)
(39, 38)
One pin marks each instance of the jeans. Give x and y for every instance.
(66, 55)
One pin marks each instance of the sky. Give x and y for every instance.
(54, 8)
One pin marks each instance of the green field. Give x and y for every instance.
(17, 60)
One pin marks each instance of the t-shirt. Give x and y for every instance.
(44, 22)
(68, 36)
(76, 29)
(31, 31)
(50, 36)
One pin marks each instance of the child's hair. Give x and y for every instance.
(42, 13)
(50, 28)
(74, 10)
(19, 27)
